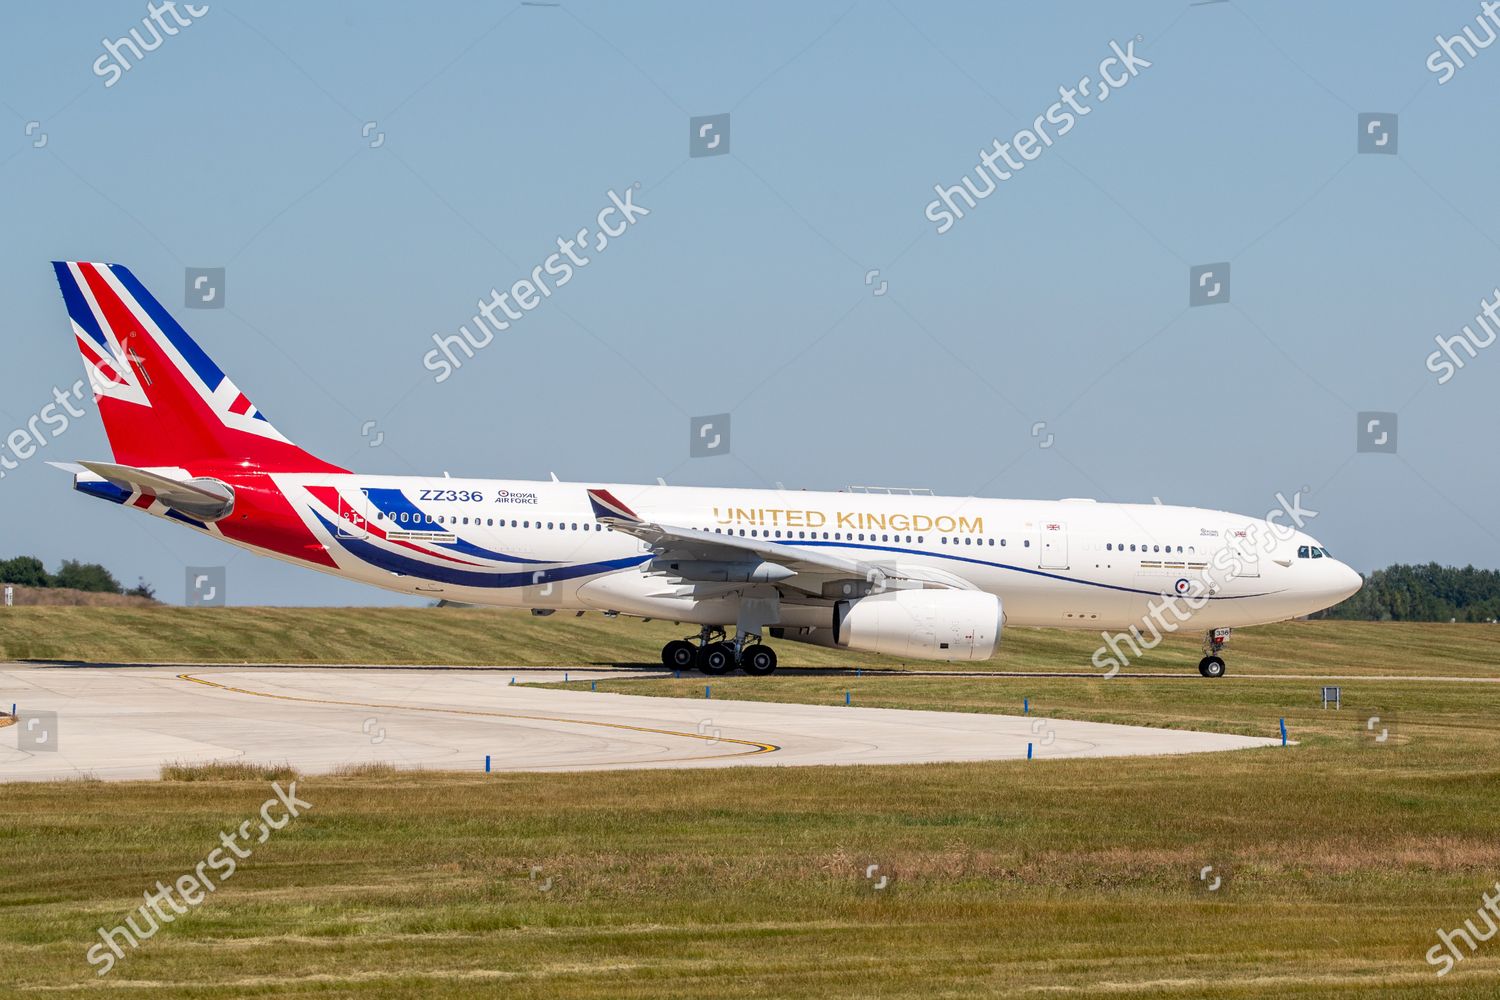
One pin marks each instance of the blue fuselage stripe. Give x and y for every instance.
(407, 566)
(395, 504)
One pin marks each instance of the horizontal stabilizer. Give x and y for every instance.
(203, 499)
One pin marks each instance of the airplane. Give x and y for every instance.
(909, 575)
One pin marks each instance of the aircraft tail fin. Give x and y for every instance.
(164, 402)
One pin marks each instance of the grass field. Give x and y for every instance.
(1340, 857)
(164, 634)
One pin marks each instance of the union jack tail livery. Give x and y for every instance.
(163, 400)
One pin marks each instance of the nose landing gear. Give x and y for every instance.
(1212, 664)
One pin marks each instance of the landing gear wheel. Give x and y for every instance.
(1211, 666)
(758, 660)
(679, 654)
(716, 658)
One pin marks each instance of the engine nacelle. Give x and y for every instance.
(918, 624)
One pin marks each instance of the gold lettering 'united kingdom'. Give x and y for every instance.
(846, 520)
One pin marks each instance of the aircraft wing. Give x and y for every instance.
(807, 570)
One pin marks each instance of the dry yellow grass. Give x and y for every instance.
(64, 597)
(227, 770)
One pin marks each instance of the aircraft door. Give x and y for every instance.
(353, 520)
(1243, 543)
(1054, 546)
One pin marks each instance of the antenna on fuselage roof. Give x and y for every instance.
(661, 481)
(554, 477)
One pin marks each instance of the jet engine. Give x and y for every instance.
(918, 624)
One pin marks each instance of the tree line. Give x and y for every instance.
(29, 571)
(1429, 593)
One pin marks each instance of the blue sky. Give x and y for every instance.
(242, 143)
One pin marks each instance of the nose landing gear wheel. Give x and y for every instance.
(716, 658)
(758, 660)
(1211, 666)
(679, 654)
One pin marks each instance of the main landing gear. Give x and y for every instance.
(715, 655)
(1212, 664)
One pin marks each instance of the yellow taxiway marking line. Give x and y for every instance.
(758, 748)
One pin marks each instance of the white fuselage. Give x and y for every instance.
(1071, 563)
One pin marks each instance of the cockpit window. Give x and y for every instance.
(1317, 553)
(1304, 552)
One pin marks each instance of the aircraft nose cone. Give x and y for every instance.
(1347, 583)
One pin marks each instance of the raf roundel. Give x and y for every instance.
(1182, 586)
